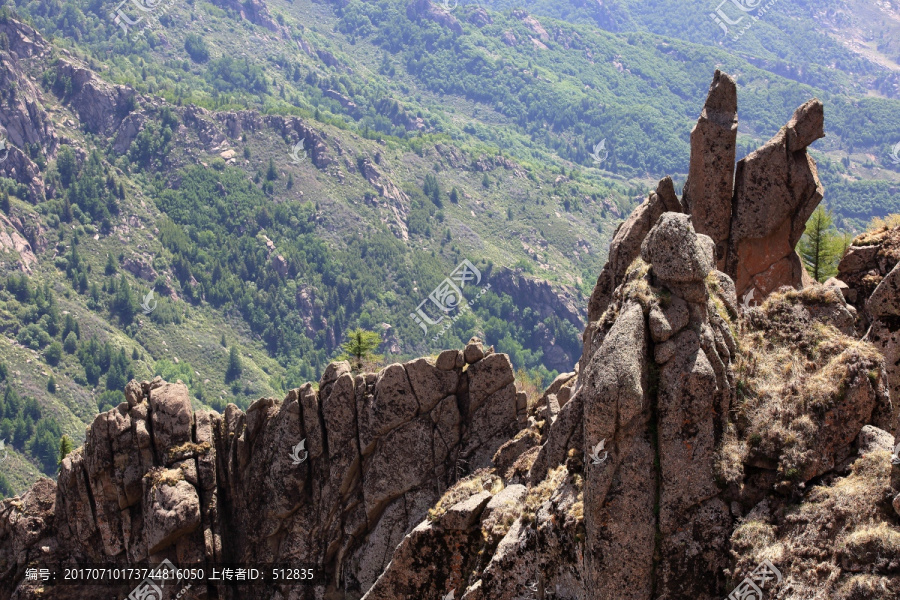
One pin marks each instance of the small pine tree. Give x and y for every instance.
(822, 245)
(271, 173)
(454, 196)
(65, 447)
(223, 342)
(4, 202)
(360, 347)
(235, 368)
(70, 344)
(51, 385)
(111, 267)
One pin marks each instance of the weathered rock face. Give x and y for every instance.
(626, 244)
(661, 435)
(870, 272)
(776, 190)
(21, 112)
(156, 480)
(870, 257)
(710, 182)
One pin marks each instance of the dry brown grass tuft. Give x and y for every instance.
(792, 370)
(637, 285)
(464, 489)
(540, 493)
(729, 461)
(871, 238)
(500, 521)
(837, 532)
(870, 542)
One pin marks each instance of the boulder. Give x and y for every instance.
(626, 244)
(474, 351)
(464, 515)
(885, 300)
(171, 508)
(675, 252)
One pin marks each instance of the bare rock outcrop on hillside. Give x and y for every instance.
(754, 215)
(776, 190)
(156, 480)
(547, 300)
(710, 182)
(870, 272)
(21, 112)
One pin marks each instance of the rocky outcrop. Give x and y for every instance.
(626, 244)
(100, 106)
(395, 199)
(754, 215)
(23, 120)
(424, 9)
(867, 261)
(661, 442)
(776, 190)
(255, 11)
(710, 182)
(12, 240)
(157, 480)
(869, 277)
(649, 475)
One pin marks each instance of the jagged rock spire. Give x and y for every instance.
(776, 190)
(710, 182)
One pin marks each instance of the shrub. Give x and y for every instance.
(53, 353)
(196, 48)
